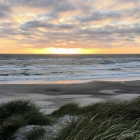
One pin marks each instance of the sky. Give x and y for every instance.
(69, 26)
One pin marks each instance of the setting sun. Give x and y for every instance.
(63, 51)
(71, 50)
(51, 50)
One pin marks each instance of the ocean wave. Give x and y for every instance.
(20, 74)
(116, 69)
(51, 68)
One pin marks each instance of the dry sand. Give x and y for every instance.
(51, 96)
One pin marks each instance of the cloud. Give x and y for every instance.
(4, 11)
(129, 1)
(43, 23)
(4, 8)
(99, 15)
(2, 15)
(35, 24)
(58, 5)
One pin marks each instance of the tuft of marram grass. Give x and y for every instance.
(102, 121)
(92, 128)
(35, 134)
(10, 125)
(18, 113)
(125, 109)
(71, 108)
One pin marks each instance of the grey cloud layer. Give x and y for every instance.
(4, 10)
(100, 15)
(36, 24)
(78, 27)
(57, 5)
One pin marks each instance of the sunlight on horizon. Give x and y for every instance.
(52, 50)
(70, 51)
(62, 51)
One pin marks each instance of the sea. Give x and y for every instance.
(41, 69)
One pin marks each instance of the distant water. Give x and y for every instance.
(60, 68)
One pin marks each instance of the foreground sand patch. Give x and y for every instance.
(126, 96)
(110, 91)
(87, 101)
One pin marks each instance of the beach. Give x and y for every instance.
(51, 96)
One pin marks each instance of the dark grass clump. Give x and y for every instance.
(18, 113)
(125, 109)
(35, 134)
(10, 124)
(102, 121)
(91, 128)
(66, 109)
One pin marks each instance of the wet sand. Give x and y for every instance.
(51, 96)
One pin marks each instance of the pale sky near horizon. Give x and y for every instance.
(70, 26)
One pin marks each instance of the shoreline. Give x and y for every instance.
(68, 82)
(62, 86)
(51, 96)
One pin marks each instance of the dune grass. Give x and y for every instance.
(102, 121)
(126, 109)
(18, 113)
(91, 128)
(35, 134)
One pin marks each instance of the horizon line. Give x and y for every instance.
(71, 54)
